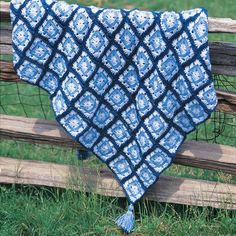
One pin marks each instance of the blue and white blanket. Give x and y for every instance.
(128, 85)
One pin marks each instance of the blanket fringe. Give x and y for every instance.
(126, 221)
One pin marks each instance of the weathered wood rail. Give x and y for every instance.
(168, 189)
(191, 153)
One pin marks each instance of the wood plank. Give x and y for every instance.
(222, 55)
(101, 181)
(4, 11)
(223, 58)
(191, 153)
(5, 36)
(219, 25)
(7, 72)
(34, 131)
(226, 101)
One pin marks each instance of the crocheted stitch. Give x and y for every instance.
(128, 85)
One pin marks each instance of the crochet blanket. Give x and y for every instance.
(128, 85)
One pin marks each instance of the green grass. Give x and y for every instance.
(41, 211)
(28, 210)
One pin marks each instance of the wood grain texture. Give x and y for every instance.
(191, 153)
(4, 11)
(101, 181)
(219, 25)
(7, 72)
(226, 101)
(223, 58)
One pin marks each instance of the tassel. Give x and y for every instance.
(83, 154)
(126, 221)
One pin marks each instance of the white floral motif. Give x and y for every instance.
(143, 102)
(155, 41)
(119, 133)
(59, 103)
(111, 19)
(114, 60)
(33, 12)
(58, 64)
(183, 47)
(172, 140)
(84, 66)
(144, 140)
(156, 124)
(49, 82)
(196, 74)
(208, 97)
(63, 10)
(142, 20)
(133, 188)
(29, 72)
(158, 160)
(170, 23)
(121, 167)
(73, 123)
(71, 86)
(133, 152)
(199, 30)
(21, 35)
(142, 61)
(39, 51)
(80, 24)
(87, 104)
(105, 149)
(97, 41)
(127, 39)
(146, 175)
(116, 97)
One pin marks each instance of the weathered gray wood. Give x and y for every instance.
(223, 58)
(167, 189)
(191, 153)
(5, 36)
(5, 41)
(4, 11)
(5, 49)
(223, 25)
(224, 70)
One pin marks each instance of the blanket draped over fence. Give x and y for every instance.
(128, 85)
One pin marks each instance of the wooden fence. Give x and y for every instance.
(101, 181)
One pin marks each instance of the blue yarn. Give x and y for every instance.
(126, 221)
